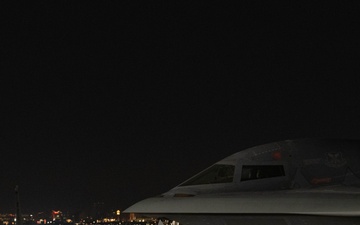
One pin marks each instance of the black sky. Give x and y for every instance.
(116, 101)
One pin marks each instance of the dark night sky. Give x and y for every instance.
(116, 101)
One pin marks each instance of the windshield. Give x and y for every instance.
(216, 174)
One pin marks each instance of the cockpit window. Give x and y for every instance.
(254, 172)
(215, 174)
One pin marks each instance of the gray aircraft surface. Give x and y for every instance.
(292, 182)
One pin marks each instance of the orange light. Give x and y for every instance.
(316, 181)
(276, 155)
